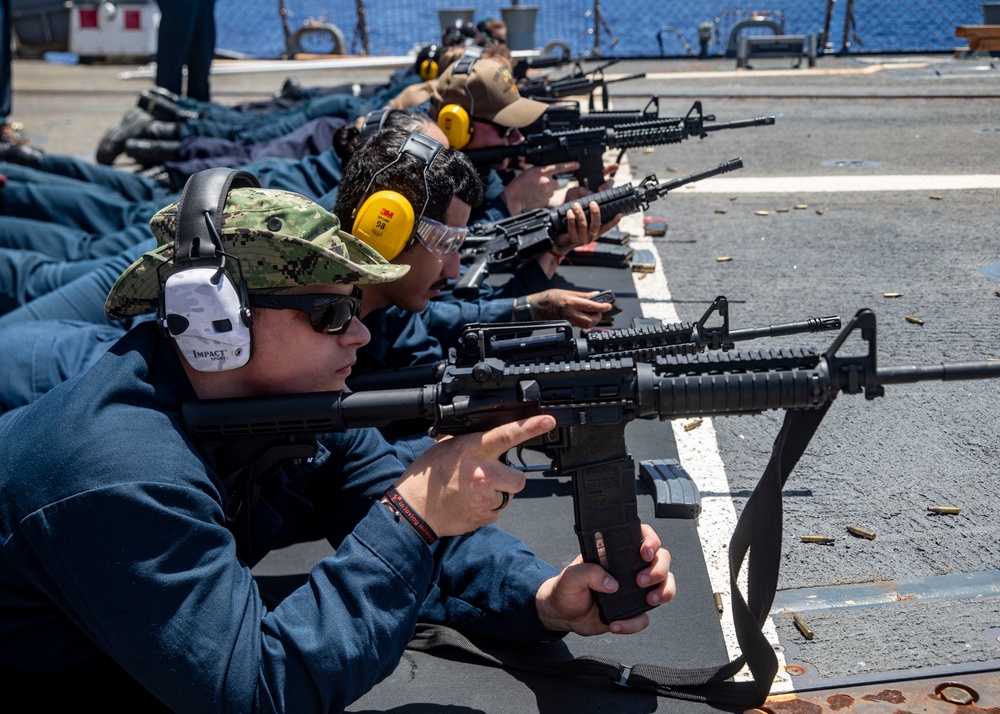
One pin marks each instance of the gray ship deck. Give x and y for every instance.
(894, 159)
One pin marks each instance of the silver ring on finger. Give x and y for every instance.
(504, 502)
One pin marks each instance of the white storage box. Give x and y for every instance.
(114, 30)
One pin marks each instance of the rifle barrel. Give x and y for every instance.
(813, 324)
(625, 78)
(738, 124)
(723, 168)
(938, 373)
(545, 61)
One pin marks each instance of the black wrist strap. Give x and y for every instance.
(402, 509)
(522, 310)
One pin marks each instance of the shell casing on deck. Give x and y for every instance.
(861, 532)
(825, 540)
(804, 628)
(947, 510)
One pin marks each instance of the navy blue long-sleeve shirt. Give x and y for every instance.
(115, 556)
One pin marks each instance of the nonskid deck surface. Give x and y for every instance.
(877, 179)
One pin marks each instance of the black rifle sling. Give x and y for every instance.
(759, 531)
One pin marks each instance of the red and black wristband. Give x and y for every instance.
(394, 499)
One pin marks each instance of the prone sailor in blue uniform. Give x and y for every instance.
(127, 544)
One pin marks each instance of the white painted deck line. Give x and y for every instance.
(841, 184)
(699, 453)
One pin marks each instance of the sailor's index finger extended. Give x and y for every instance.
(501, 439)
(563, 167)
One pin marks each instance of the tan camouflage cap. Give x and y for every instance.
(282, 239)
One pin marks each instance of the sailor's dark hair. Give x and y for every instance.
(347, 138)
(450, 175)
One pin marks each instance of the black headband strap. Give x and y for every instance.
(205, 193)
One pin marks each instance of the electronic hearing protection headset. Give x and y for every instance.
(386, 220)
(453, 119)
(202, 308)
(429, 67)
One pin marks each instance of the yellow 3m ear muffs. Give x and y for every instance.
(429, 70)
(453, 119)
(385, 222)
(427, 62)
(386, 219)
(456, 124)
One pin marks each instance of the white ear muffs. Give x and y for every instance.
(202, 309)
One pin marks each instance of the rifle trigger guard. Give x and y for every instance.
(522, 466)
(433, 430)
(519, 450)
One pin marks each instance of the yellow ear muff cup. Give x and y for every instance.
(385, 222)
(428, 70)
(455, 123)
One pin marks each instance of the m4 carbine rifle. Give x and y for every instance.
(556, 341)
(576, 84)
(565, 116)
(587, 146)
(591, 402)
(525, 64)
(528, 235)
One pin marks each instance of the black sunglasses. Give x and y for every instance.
(329, 314)
(503, 131)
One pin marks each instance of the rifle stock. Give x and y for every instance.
(591, 402)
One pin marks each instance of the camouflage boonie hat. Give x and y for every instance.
(282, 239)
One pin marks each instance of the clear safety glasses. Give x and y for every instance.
(439, 239)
